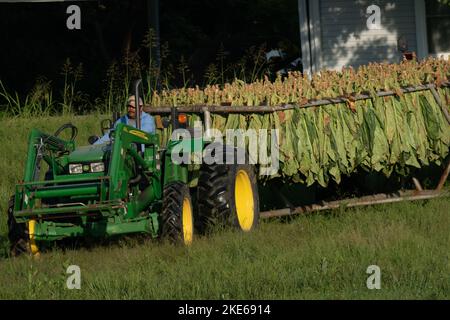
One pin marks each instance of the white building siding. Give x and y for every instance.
(345, 39)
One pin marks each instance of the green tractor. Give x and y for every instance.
(129, 185)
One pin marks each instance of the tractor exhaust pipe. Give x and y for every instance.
(136, 102)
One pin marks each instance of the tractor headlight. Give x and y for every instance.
(75, 168)
(97, 167)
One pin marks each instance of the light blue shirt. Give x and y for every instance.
(147, 125)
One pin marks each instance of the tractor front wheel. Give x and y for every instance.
(177, 215)
(18, 234)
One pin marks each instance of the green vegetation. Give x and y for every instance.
(392, 134)
(314, 257)
(63, 95)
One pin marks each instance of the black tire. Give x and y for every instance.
(177, 217)
(17, 233)
(220, 204)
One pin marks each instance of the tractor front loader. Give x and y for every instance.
(128, 185)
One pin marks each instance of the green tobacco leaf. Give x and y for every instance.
(395, 133)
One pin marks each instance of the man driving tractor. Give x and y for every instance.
(147, 121)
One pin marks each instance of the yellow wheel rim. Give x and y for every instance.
(187, 221)
(245, 206)
(31, 231)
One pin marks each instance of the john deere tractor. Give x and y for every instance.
(129, 185)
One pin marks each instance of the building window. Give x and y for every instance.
(438, 27)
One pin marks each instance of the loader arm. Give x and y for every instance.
(39, 145)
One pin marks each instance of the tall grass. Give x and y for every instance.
(160, 71)
(38, 102)
(70, 96)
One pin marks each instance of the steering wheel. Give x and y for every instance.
(67, 126)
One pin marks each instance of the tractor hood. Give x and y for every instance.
(93, 153)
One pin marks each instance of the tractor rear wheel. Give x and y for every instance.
(177, 215)
(227, 195)
(18, 234)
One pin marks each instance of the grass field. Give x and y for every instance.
(319, 256)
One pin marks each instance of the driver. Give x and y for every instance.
(147, 121)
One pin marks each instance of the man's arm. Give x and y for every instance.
(103, 139)
(106, 138)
